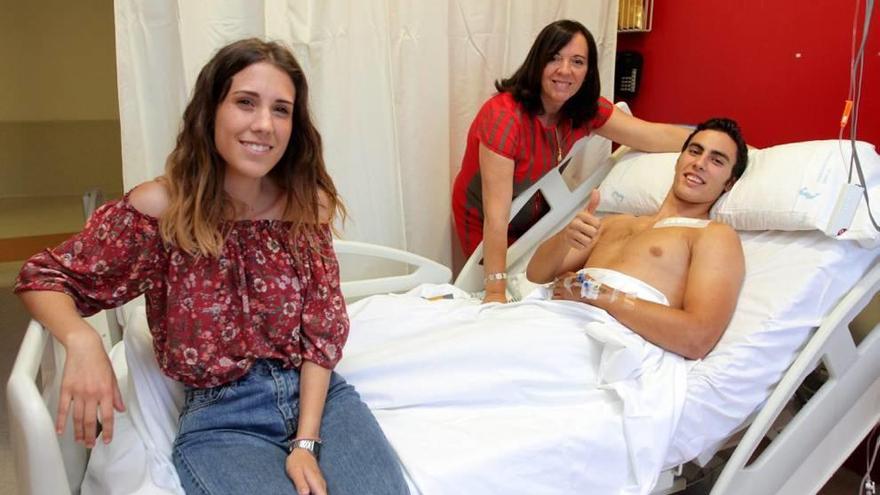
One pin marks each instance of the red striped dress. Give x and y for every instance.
(504, 126)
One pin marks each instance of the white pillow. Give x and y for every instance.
(637, 184)
(786, 187)
(795, 187)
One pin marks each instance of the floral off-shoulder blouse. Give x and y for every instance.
(268, 295)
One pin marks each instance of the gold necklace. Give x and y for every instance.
(558, 146)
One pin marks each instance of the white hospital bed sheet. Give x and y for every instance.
(539, 396)
(792, 280)
(533, 397)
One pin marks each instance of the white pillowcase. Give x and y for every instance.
(637, 184)
(787, 187)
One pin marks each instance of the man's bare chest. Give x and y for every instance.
(641, 241)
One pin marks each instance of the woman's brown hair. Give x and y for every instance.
(194, 173)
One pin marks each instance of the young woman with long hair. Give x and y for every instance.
(232, 247)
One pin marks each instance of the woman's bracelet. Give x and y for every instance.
(494, 277)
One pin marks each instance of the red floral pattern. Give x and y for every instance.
(269, 295)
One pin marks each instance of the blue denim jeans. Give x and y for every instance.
(233, 438)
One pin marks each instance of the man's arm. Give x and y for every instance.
(714, 280)
(568, 249)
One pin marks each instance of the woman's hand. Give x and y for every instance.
(302, 467)
(87, 387)
(490, 297)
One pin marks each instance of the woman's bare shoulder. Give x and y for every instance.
(325, 211)
(150, 198)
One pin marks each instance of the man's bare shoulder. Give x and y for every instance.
(325, 211)
(719, 236)
(150, 198)
(722, 231)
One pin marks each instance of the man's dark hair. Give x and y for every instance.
(731, 128)
(525, 83)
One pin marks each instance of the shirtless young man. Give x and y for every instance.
(698, 267)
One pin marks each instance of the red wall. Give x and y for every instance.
(740, 60)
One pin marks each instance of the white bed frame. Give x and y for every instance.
(800, 459)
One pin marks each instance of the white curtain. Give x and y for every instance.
(394, 86)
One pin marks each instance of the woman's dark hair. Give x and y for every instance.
(731, 128)
(525, 83)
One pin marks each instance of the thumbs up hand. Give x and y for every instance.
(583, 229)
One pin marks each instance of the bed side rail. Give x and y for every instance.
(563, 203)
(427, 271)
(40, 455)
(826, 430)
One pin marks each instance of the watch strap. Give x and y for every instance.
(310, 444)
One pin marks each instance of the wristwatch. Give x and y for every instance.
(312, 445)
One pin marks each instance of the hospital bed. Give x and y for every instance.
(804, 449)
(799, 458)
